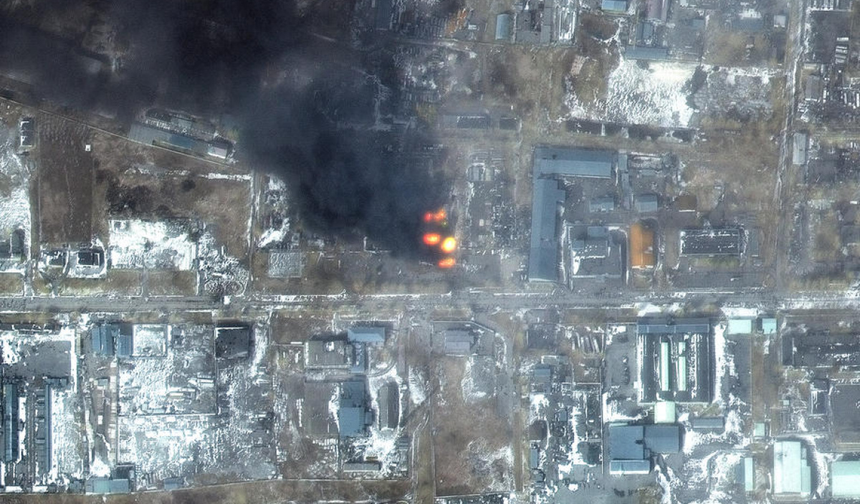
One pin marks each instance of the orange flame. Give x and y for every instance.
(432, 239)
(449, 245)
(437, 216)
(447, 262)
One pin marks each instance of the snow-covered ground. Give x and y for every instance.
(15, 204)
(138, 244)
(656, 95)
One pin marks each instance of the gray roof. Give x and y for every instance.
(362, 466)
(543, 254)
(108, 486)
(125, 342)
(626, 442)
(153, 136)
(663, 438)
(679, 326)
(601, 204)
(725, 241)
(10, 421)
(353, 412)
(504, 21)
(629, 466)
(232, 341)
(646, 53)
(708, 423)
(614, 5)
(383, 14)
(366, 334)
(103, 336)
(646, 202)
(573, 162)
(458, 342)
(321, 353)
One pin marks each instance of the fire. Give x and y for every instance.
(438, 216)
(447, 262)
(432, 239)
(449, 245)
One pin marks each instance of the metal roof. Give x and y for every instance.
(845, 479)
(646, 202)
(366, 334)
(646, 53)
(573, 162)
(768, 325)
(668, 326)
(543, 254)
(614, 5)
(352, 414)
(708, 423)
(740, 326)
(710, 241)
(626, 442)
(663, 438)
(629, 466)
(504, 21)
(791, 472)
(601, 204)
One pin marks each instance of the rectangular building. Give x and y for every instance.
(674, 360)
(710, 242)
(543, 253)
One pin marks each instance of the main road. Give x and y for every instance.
(476, 300)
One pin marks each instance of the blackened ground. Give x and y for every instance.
(304, 105)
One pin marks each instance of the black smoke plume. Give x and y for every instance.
(304, 103)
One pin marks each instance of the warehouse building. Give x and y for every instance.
(845, 479)
(631, 446)
(551, 164)
(674, 360)
(710, 242)
(791, 472)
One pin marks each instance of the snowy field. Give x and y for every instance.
(661, 94)
(14, 188)
(137, 244)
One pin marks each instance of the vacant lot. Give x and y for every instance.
(472, 444)
(65, 181)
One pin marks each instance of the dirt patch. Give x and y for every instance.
(11, 283)
(65, 176)
(468, 438)
(171, 283)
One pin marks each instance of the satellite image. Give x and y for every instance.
(429, 251)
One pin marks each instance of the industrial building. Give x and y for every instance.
(711, 242)
(845, 479)
(594, 253)
(675, 360)
(550, 164)
(791, 472)
(631, 446)
(354, 413)
(543, 254)
(233, 341)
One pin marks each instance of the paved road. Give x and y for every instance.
(478, 301)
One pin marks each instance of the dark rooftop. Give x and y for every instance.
(711, 241)
(233, 341)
